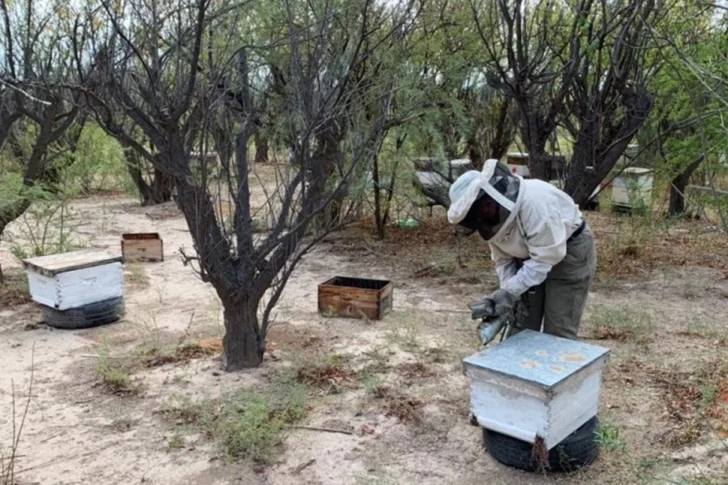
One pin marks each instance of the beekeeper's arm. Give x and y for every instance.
(505, 265)
(546, 238)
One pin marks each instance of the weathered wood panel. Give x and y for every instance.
(355, 298)
(142, 247)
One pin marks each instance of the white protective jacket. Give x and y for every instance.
(540, 222)
(543, 220)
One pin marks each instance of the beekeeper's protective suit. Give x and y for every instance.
(541, 245)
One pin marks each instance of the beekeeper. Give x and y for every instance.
(542, 247)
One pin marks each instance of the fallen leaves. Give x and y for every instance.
(14, 290)
(185, 352)
(694, 402)
(332, 374)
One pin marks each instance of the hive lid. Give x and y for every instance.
(637, 171)
(74, 260)
(537, 358)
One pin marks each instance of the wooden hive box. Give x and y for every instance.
(75, 279)
(355, 298)
(534, 384)
(142, 247)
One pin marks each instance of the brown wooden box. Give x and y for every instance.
(142, 247)
(355, 298)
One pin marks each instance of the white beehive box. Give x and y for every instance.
(534, 384)
(74, 279)
(633, 181)
(518, 164)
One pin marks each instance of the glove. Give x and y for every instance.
(497, 304)
(503, 302)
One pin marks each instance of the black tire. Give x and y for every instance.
(91, 315)
(577, 450)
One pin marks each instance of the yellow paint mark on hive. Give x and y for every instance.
(572, 357)
(541, 353)
(529, 364)
(556, 368)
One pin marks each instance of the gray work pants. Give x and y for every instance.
(558, 303)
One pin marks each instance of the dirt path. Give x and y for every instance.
(76, 432)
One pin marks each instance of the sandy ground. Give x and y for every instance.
(76, 432)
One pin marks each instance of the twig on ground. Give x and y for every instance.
(303, 466)
(51, 437)
(324, 430)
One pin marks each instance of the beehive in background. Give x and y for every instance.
(142, 247)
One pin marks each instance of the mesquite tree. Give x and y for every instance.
(580, 65)
(609, 100)
(469, 117)
(149, 64)
(34, 68)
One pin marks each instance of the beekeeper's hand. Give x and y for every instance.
(503, 302)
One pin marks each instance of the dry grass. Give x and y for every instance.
(14, 290)
(184, 352)
(430, 251)
(631, 246)
(627, 247)
(245, 424)
(9, 456)
(115, 374)
(621, 324)
(331, 373)
(694, 402)
(406, 409)
(136, 276)
(416, 370)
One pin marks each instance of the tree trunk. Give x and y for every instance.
(504, 134)
(474, 153)
(242, 348)
(261, 148)
(677, 188)
(581, 176)
(539, 165)
(582, 173)
(377, 199)
(538, 160)
(158, 192)
(323, 166)
(161, 188)
(7, 119)
(8, 215)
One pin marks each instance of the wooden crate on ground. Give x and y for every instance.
(74, 279)
(536, 385)
(142, 247)
(355, 298)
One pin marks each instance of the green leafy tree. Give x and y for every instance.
(37, 110)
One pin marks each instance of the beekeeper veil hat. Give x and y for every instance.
(494, 182)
